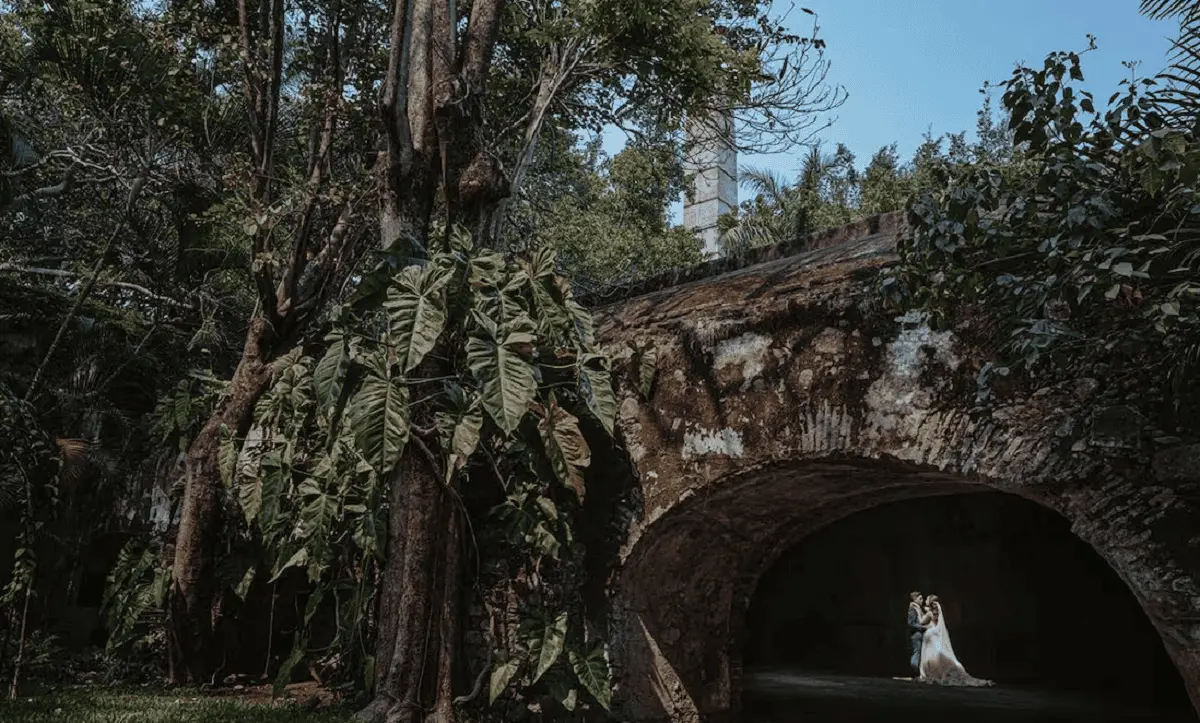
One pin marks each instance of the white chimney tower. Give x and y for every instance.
(711, 161)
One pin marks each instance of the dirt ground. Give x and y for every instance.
(776, 696)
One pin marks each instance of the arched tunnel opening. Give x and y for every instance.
(1028, 605)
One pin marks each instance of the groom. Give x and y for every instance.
(918, 618)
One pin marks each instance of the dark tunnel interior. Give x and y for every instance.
(1027, 603)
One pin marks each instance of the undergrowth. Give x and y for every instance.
(100, 705)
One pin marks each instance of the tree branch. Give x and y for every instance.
(482, 30)
(135, 190)
(13, 268)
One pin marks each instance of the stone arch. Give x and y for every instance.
(686, 584)
(783, 395)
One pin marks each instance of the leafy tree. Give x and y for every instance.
(884, 186)
(1086, 258)
(474, 367)
(29, 486)
(777, 211)
(235, 159)
(611, 226)
(111, 147)
(829, 191)
(645, 68)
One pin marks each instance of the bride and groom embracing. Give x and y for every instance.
(933, 657)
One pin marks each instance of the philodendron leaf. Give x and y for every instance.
(274, 478)
(546, 643)
(298, 559)
(227, 457)
(566, 448)
(583, 325)
(495, 355)
(592, 671)
(416, 308)
(561, 685)
(540, 278)
(501, 677)
(243, 585)
(645, 359)
(379, 417)
(329, 376)
(250, 498)
(595, 385)
(459, 426)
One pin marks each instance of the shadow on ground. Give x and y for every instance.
(791, 696)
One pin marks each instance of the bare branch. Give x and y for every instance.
(58, 189)
(13, 268)
(135, 190)
(787, 106)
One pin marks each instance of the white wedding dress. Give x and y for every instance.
(938, 663)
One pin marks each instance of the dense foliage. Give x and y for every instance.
(190, 193)
(493, 360)
(1085, 252)
(289, 316)
(830, 190)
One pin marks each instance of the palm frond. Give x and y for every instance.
(764, 182)
(1163, 9)
(76, 456)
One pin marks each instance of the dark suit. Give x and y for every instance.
(916, 630)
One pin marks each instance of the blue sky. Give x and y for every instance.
(916, 65)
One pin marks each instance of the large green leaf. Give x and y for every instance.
(297, 559)
(329, 376)
(645, 366)
(275, 478)
(546, 638)
(595, 385)
(592, 671)
(379, 417)
(525, 519)
(504, 302)
(561, 685)
(227, 456)
(284, 676)
(566, 448)
(250, 498)
(416, 307)
(318, 511)
(243, 585)
(486, 269)
(261, 488)
(539, 275)
(280, 366)
(459, 425)
(314, 525)
(583, 324)
(495, 355)
(501, 677)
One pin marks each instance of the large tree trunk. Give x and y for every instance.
(191, 597)
(431, 103)
(419, 598)
(451, 609)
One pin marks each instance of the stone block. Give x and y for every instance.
(1117, 427)
(1178, 464)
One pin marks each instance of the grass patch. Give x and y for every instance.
(106, 705)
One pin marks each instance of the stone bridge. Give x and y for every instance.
(784, 401)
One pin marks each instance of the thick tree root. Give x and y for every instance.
(376, 711)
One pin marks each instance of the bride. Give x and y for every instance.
(938, 663)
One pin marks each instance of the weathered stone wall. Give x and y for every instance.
(783, 401)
